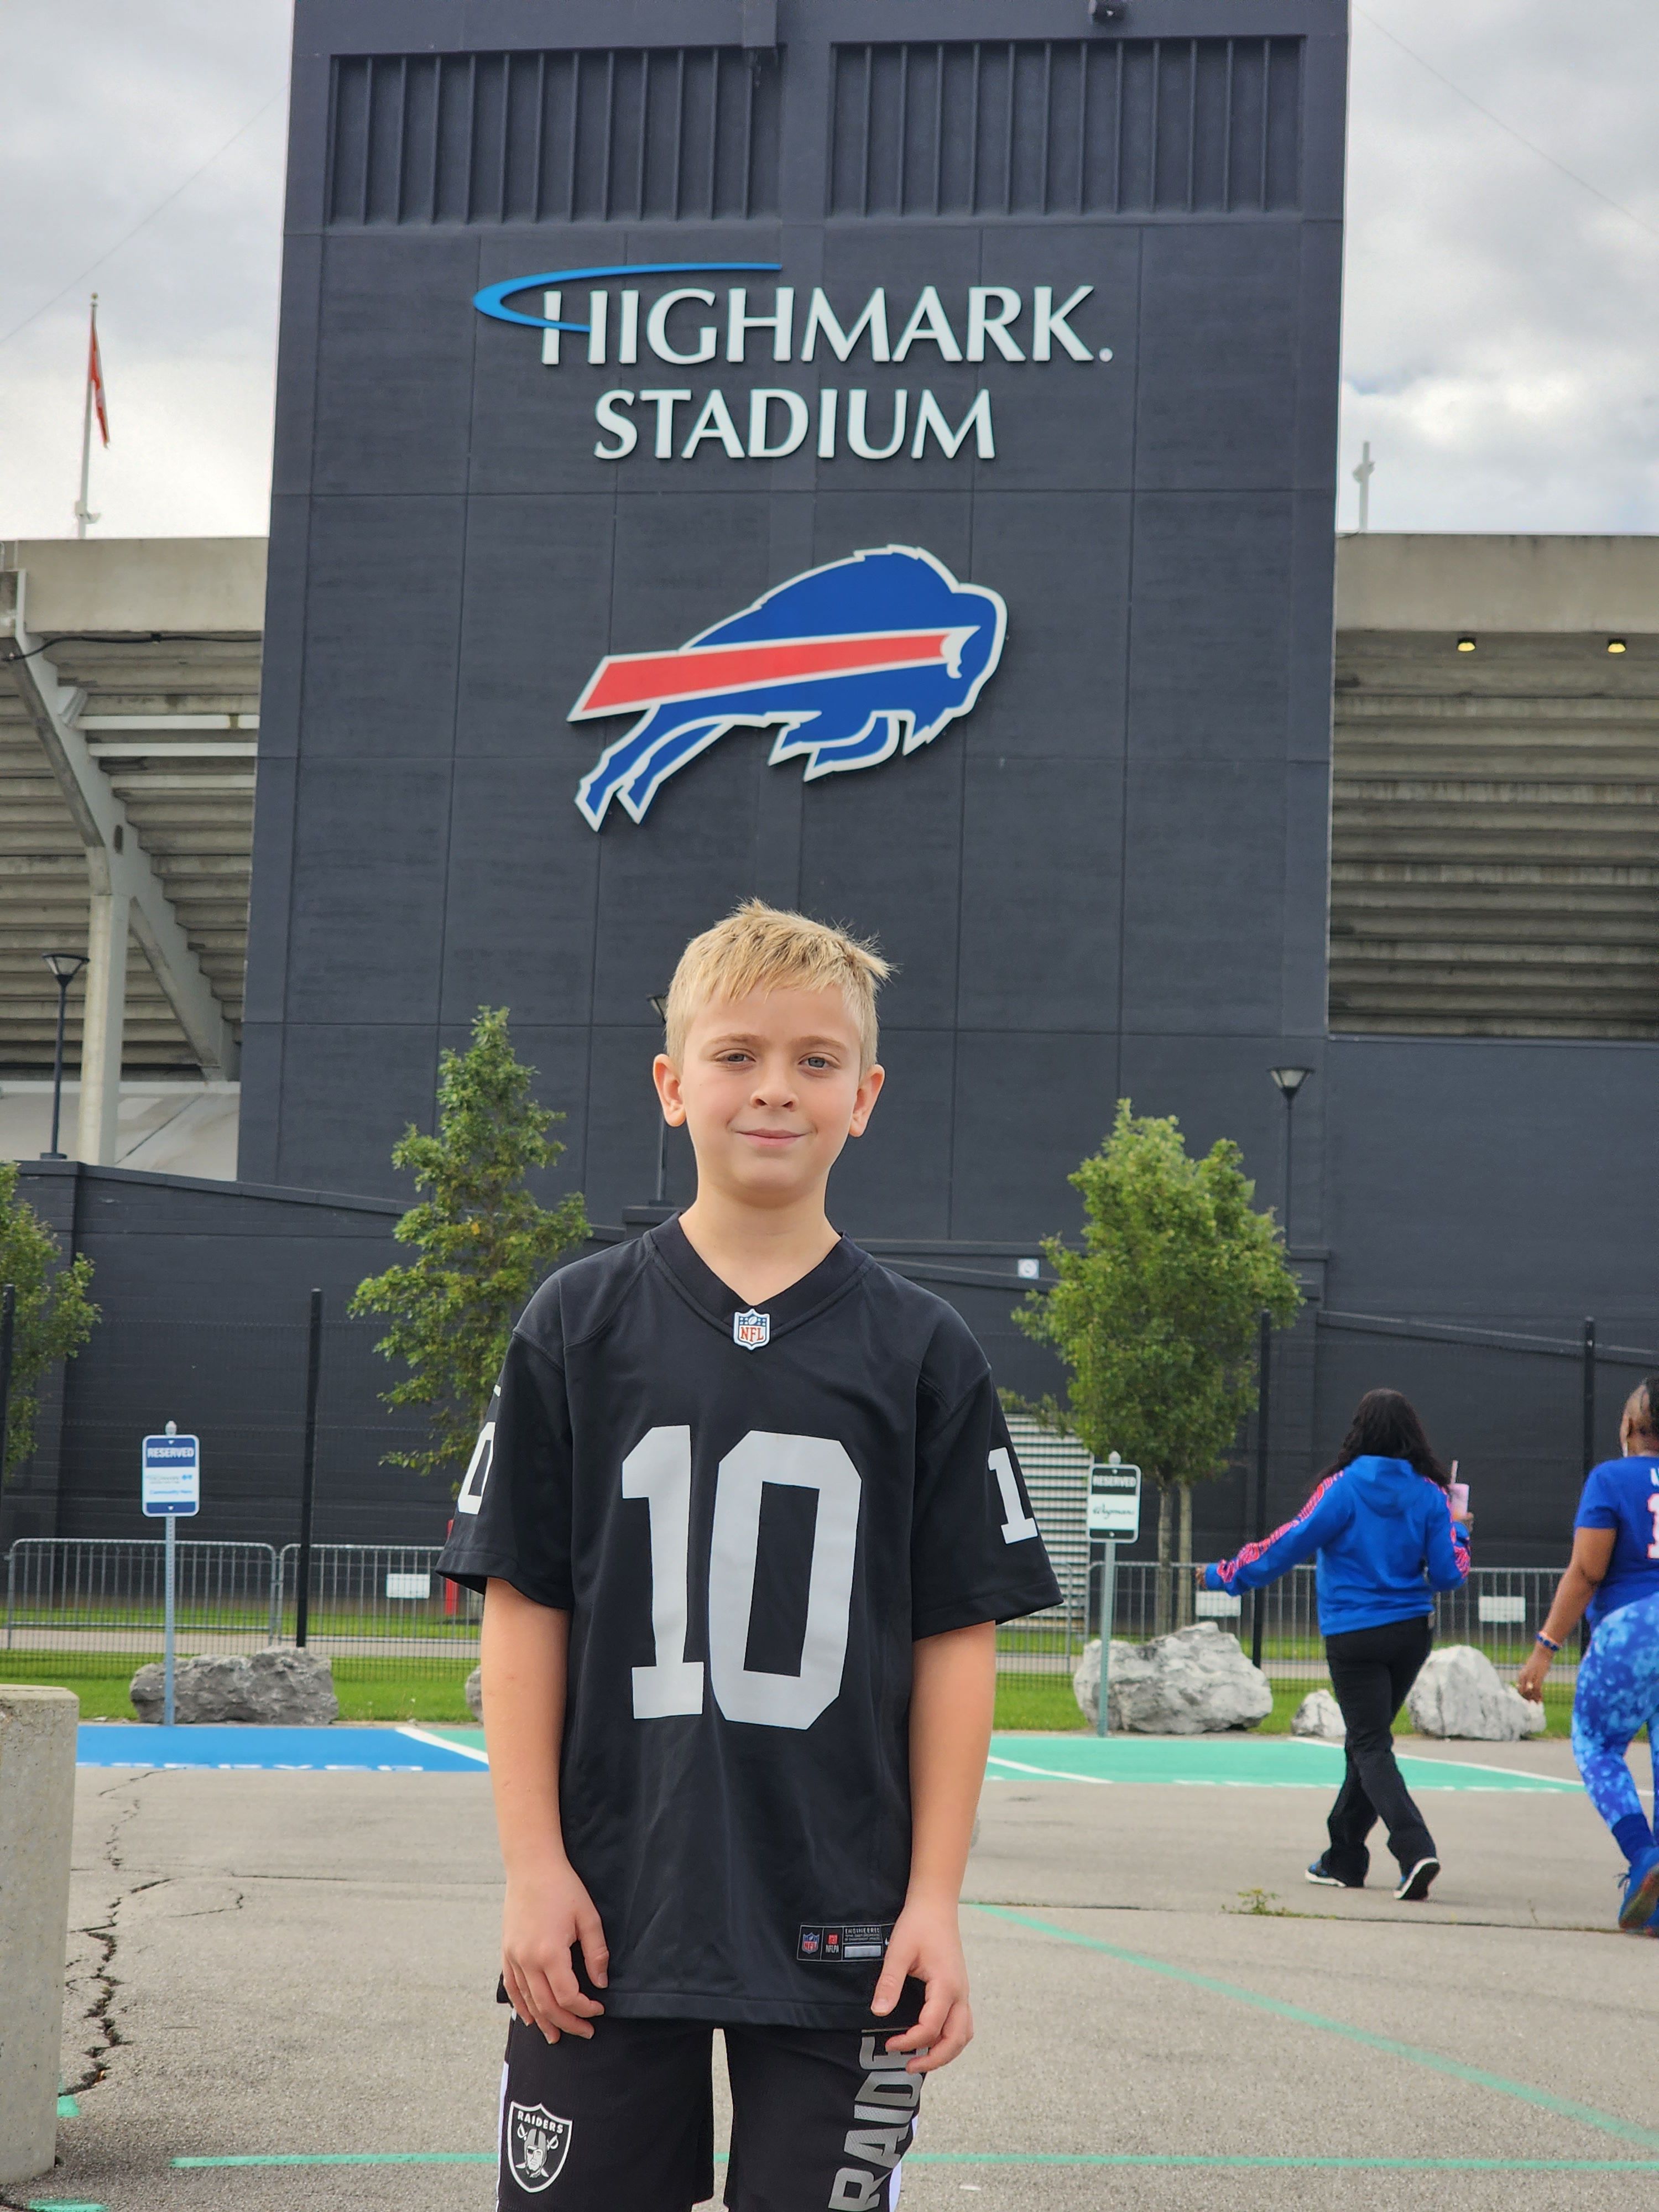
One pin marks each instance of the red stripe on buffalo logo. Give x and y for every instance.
(625, 681)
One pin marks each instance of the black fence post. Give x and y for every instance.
(309, 1478)
(7, 1331)
(1589, 1436)
(1264, 1358)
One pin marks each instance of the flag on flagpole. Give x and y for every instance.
(95, 378)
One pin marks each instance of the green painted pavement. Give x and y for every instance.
(1285, 1762)
(1475, 2076)
(1221, 2164)
(1255, 1762)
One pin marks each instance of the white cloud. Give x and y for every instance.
(105, 110)
(1501, 322)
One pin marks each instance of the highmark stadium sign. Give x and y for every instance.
(690, 325)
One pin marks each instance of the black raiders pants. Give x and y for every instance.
(1371, 1670)
(624, 2122)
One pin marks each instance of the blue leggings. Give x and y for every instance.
(1617, 1695)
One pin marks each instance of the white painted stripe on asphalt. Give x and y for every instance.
(442, 1743)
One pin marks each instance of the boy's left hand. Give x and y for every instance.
(926, 1943)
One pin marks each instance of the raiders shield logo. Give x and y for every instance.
(751, 1329)
(537, 2142)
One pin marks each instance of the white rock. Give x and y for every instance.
(475, 1694)
(1461, 1693)
(1196, 1682)
(275, 1688)
(1319, 1714)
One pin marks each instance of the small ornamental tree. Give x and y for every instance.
(54, 1316)
(1157, 1316)
(483, 1242)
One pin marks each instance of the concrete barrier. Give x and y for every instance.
(37, 1806)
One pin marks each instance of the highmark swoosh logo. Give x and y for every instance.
(493, 299)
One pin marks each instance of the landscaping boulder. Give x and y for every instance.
(1461, 1693)
(475, 1694)
(1196, 1682)
(275, 1688)
(1319, 1714)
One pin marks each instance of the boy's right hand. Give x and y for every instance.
(545, 1914)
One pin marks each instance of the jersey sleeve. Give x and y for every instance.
(1597, 1507)
(512, 1515)
(976, 1553)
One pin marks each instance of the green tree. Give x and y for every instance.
(1157, 1316)
(54, 1315)
(483, 1242)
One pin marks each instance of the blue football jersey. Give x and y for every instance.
(1623, 1494)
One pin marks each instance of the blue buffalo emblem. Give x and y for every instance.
(850, 663)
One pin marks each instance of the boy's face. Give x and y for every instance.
(769, 1088)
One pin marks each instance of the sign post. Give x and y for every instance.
(171, 1476)
(1113, 1518)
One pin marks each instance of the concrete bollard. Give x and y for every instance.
(37, 1807)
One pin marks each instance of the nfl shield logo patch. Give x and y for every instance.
(537, 2142)
(751, 1329)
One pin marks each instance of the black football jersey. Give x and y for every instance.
(750, 1517)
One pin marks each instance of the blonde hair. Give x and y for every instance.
(761, 948)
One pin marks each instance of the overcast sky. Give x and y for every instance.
(1501, 343)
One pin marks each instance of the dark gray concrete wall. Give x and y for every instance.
(1110, 876)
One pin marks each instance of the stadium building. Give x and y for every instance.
(885, 462)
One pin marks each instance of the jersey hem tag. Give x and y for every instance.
(752, 1329)
(851, 1941)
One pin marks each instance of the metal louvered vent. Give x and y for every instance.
(1068, 127)
(624, 135)
(1057, 1471)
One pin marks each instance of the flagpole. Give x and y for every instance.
(81, 517)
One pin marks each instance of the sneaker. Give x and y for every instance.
(1641, 1893)
(1320, 1873)
(1414, 1886)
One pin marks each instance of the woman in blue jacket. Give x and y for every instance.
(1381, 1522)
(1613, 1581)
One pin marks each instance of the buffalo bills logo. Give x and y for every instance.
(851, 663)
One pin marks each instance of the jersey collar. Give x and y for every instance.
(716, 1302)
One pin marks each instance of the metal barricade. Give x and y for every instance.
(1500, 1611)
(87, 1595)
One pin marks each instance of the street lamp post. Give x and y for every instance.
(1290, 1081)
(65, 967)
(660, 1007)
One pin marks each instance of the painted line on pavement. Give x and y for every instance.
(1477, 2077)
(1230, 2161)
(443, 1742)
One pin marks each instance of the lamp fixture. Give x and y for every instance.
(1617, 645)
(1466, 645)
(1290, 1079)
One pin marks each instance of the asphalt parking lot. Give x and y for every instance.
(282, 1997)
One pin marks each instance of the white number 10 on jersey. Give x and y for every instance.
(659, 1470)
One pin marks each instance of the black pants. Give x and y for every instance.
(1371, 1670)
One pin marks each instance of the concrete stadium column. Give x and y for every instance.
(102, 1023)
(37, 1805)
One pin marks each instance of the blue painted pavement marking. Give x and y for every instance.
(285, 1750)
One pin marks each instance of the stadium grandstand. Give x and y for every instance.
(1495, 819)
(129, 726)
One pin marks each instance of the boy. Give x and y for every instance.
(746, 1515)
